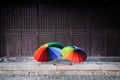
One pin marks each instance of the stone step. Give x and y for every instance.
(92, 66)
(37, 68)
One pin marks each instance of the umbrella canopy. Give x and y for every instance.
(74, 54)
(48, 52)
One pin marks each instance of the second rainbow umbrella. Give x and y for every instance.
(74, 54)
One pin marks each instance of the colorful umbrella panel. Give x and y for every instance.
(48, 52)
(74, 54)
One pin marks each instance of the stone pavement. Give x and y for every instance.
(59, 77)
(28, 67)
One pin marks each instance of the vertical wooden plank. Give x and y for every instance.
(97, 45)
(113, 45)
(45, 39)
(29, 45)
(12, 45)
(1, 44)
(65, 39)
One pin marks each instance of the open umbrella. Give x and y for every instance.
(48, 52)
(74, 54)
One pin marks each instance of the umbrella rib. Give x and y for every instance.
(73, 56)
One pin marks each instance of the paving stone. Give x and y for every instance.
(25, 66)
(109, 67)
(78, 67)
(117, 73)
(99, 73)
(110, 73)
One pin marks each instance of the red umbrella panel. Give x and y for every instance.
(74, 54)
(48, 52)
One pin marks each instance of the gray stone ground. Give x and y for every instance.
(59, 77)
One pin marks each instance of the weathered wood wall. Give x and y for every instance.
(24, 27)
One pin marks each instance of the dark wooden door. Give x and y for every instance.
(27, 26)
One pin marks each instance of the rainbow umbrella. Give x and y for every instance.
(74, 54)
(48, 52)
